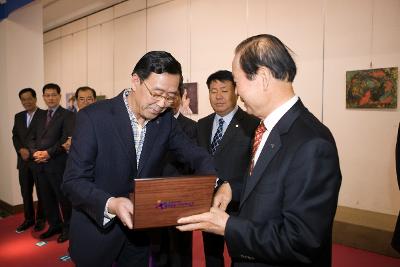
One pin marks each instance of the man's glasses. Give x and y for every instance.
(168, 99)
(88, 99)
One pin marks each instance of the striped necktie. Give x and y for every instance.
(260, 130)
(218, 136)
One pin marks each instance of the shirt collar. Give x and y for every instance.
(272, 119)
(132, 116)
(228, 117)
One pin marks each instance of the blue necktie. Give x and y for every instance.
(218, 136)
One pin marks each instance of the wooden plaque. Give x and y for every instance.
(160, 202)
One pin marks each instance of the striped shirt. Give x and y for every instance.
(139, 132)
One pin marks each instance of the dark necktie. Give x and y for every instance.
(49, 116)
(218, 136)
(256, 142)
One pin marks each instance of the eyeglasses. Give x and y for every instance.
(88, 99)
(169, 99)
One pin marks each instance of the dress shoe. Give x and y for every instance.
(39, 226)
(64, 236)
(25, 225)
(50, 232)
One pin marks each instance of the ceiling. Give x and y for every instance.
(60, 12)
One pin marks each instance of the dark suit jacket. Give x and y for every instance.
(396, 233)
(51, 138)
(232, 157)
(289, 202)
(398, 156)
(21, 133)
(102, 164)
(172, 166)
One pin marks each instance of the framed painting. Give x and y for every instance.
(373, 88)
(189, 104)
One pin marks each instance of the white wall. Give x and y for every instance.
(21, 65)
(365, 138)
(328, 37)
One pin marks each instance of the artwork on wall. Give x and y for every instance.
(189, 99)
(71, 102)
(100, 97)
(373, 88)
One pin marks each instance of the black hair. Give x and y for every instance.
(85, 88)
(221, 75)
(26, 90)
(51, 86)
(157, 62)
(268, 51)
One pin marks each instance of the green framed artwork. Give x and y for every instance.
(373, 88)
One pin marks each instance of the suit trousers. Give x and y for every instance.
(54, 199)
(396, 235)
(135, 251)
(213, 249)
(27, 180)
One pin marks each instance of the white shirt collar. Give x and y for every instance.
(272, 119)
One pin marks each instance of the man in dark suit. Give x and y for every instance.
(116, 141)
(84, 96)
(230, 149)
(170, 247)
(396, 233)
(289, 200)
(24, 122)
(52, 131)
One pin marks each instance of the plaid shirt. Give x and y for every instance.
(139, 132)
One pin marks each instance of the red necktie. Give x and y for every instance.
(256, 142)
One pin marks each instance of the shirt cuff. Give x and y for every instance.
(107, 216)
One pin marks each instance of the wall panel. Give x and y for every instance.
(130, 46)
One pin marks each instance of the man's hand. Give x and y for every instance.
(41, 156)
(213, 221)
(123, 208)
(24, 152)
(223, 196)
(67, 144)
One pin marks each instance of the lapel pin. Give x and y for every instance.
(272, 146)
(237, 125)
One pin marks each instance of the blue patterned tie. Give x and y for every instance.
(218, 136)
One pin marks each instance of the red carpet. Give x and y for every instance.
(20, 250)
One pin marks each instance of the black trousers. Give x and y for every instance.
(213, 249)
(396, 235)
(54, 199)
(28, 178)
(135, 251)
(171, 248)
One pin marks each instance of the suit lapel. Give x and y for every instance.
(205, 135)
(56, 115)
(121, 125)
(152, 129)
(231, 131)
(270, 149)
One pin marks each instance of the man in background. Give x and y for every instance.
(396, 233)
(289, 198)
(226, 134)
(116, 141)
(24, 122)
(84, 96)
(52, 131)
(170, 247)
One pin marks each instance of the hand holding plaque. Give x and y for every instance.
(161, 202)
